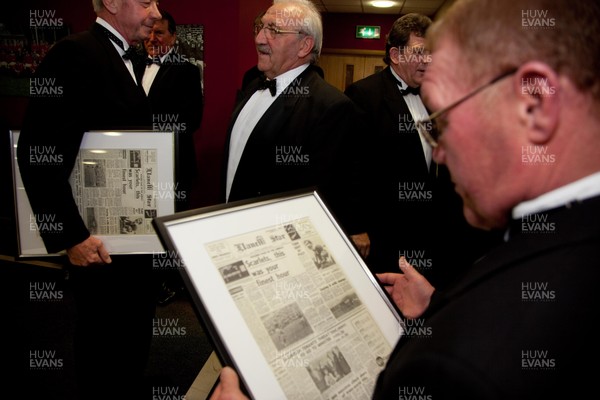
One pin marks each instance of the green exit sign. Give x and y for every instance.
(367, 32)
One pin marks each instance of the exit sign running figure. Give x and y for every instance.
(367, 32)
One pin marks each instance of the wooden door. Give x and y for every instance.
(341, 68)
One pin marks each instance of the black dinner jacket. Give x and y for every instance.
(394, 157)
(398, 169)
(177, 89)
(519, 324)
(92, 90)
(396, 163)
(383, 107)
(176, 95)
(318, 122)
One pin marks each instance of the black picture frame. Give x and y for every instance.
(256, 287)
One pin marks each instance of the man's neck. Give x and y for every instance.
(114, 24)
(395, 70)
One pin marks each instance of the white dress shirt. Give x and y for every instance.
(151, 71)
(575, 191)
(248, 118)
(579, 190)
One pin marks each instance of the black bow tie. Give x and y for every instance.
(153, 60)
(130, 54)
(270, 84)
(410, 90)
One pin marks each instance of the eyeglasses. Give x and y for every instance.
(432, 130)
(271, 32)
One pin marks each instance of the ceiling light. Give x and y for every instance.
(383, 4)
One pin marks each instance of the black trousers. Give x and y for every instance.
(115, 306)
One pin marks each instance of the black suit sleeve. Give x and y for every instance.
(49, 143)
(81, 85)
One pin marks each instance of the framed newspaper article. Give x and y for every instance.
(285, 297)
(121, 181)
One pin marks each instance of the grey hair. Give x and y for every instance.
(313, 24)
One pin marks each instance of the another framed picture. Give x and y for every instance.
(121, 181)
(284, 295)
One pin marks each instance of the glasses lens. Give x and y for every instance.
(270, 32)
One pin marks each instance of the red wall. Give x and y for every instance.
(228, 52)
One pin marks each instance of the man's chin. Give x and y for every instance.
(262, 66)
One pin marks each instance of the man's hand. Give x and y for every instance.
(362, 243)
(409, 290)
(228, 387)
(89, 252)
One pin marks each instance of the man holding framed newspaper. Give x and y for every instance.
(515, 92)
(96, 89)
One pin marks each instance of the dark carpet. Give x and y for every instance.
(43, 334)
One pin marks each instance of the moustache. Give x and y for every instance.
(263, 49)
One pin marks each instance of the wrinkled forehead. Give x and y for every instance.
(161, 25)
(415, 41)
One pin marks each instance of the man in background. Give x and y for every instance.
(414, 211)
(292, 130)
(174, 89)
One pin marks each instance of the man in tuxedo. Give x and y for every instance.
(299, 133)
(115, 296)
(518, 110)
(519, 133)
(414, 210)
(174, 88)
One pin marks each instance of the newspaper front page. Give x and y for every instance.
(115, 190)
(311, 326)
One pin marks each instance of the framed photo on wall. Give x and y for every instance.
(121, 181)
(284, 295)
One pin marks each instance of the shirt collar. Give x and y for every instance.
(404, 84)
(579, 190)
(288, 77)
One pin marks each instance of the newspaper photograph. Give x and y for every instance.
(316, 334)
(115, 190)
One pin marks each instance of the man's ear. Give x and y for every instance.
(306, 47)
(538, 96)
(395, 55)
(112, 6)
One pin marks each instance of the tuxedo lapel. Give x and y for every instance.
(272, 121)
(393, 99)
(276, 115)
(126, 80)
(250, 90)
(163, 70)
(573, 223)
